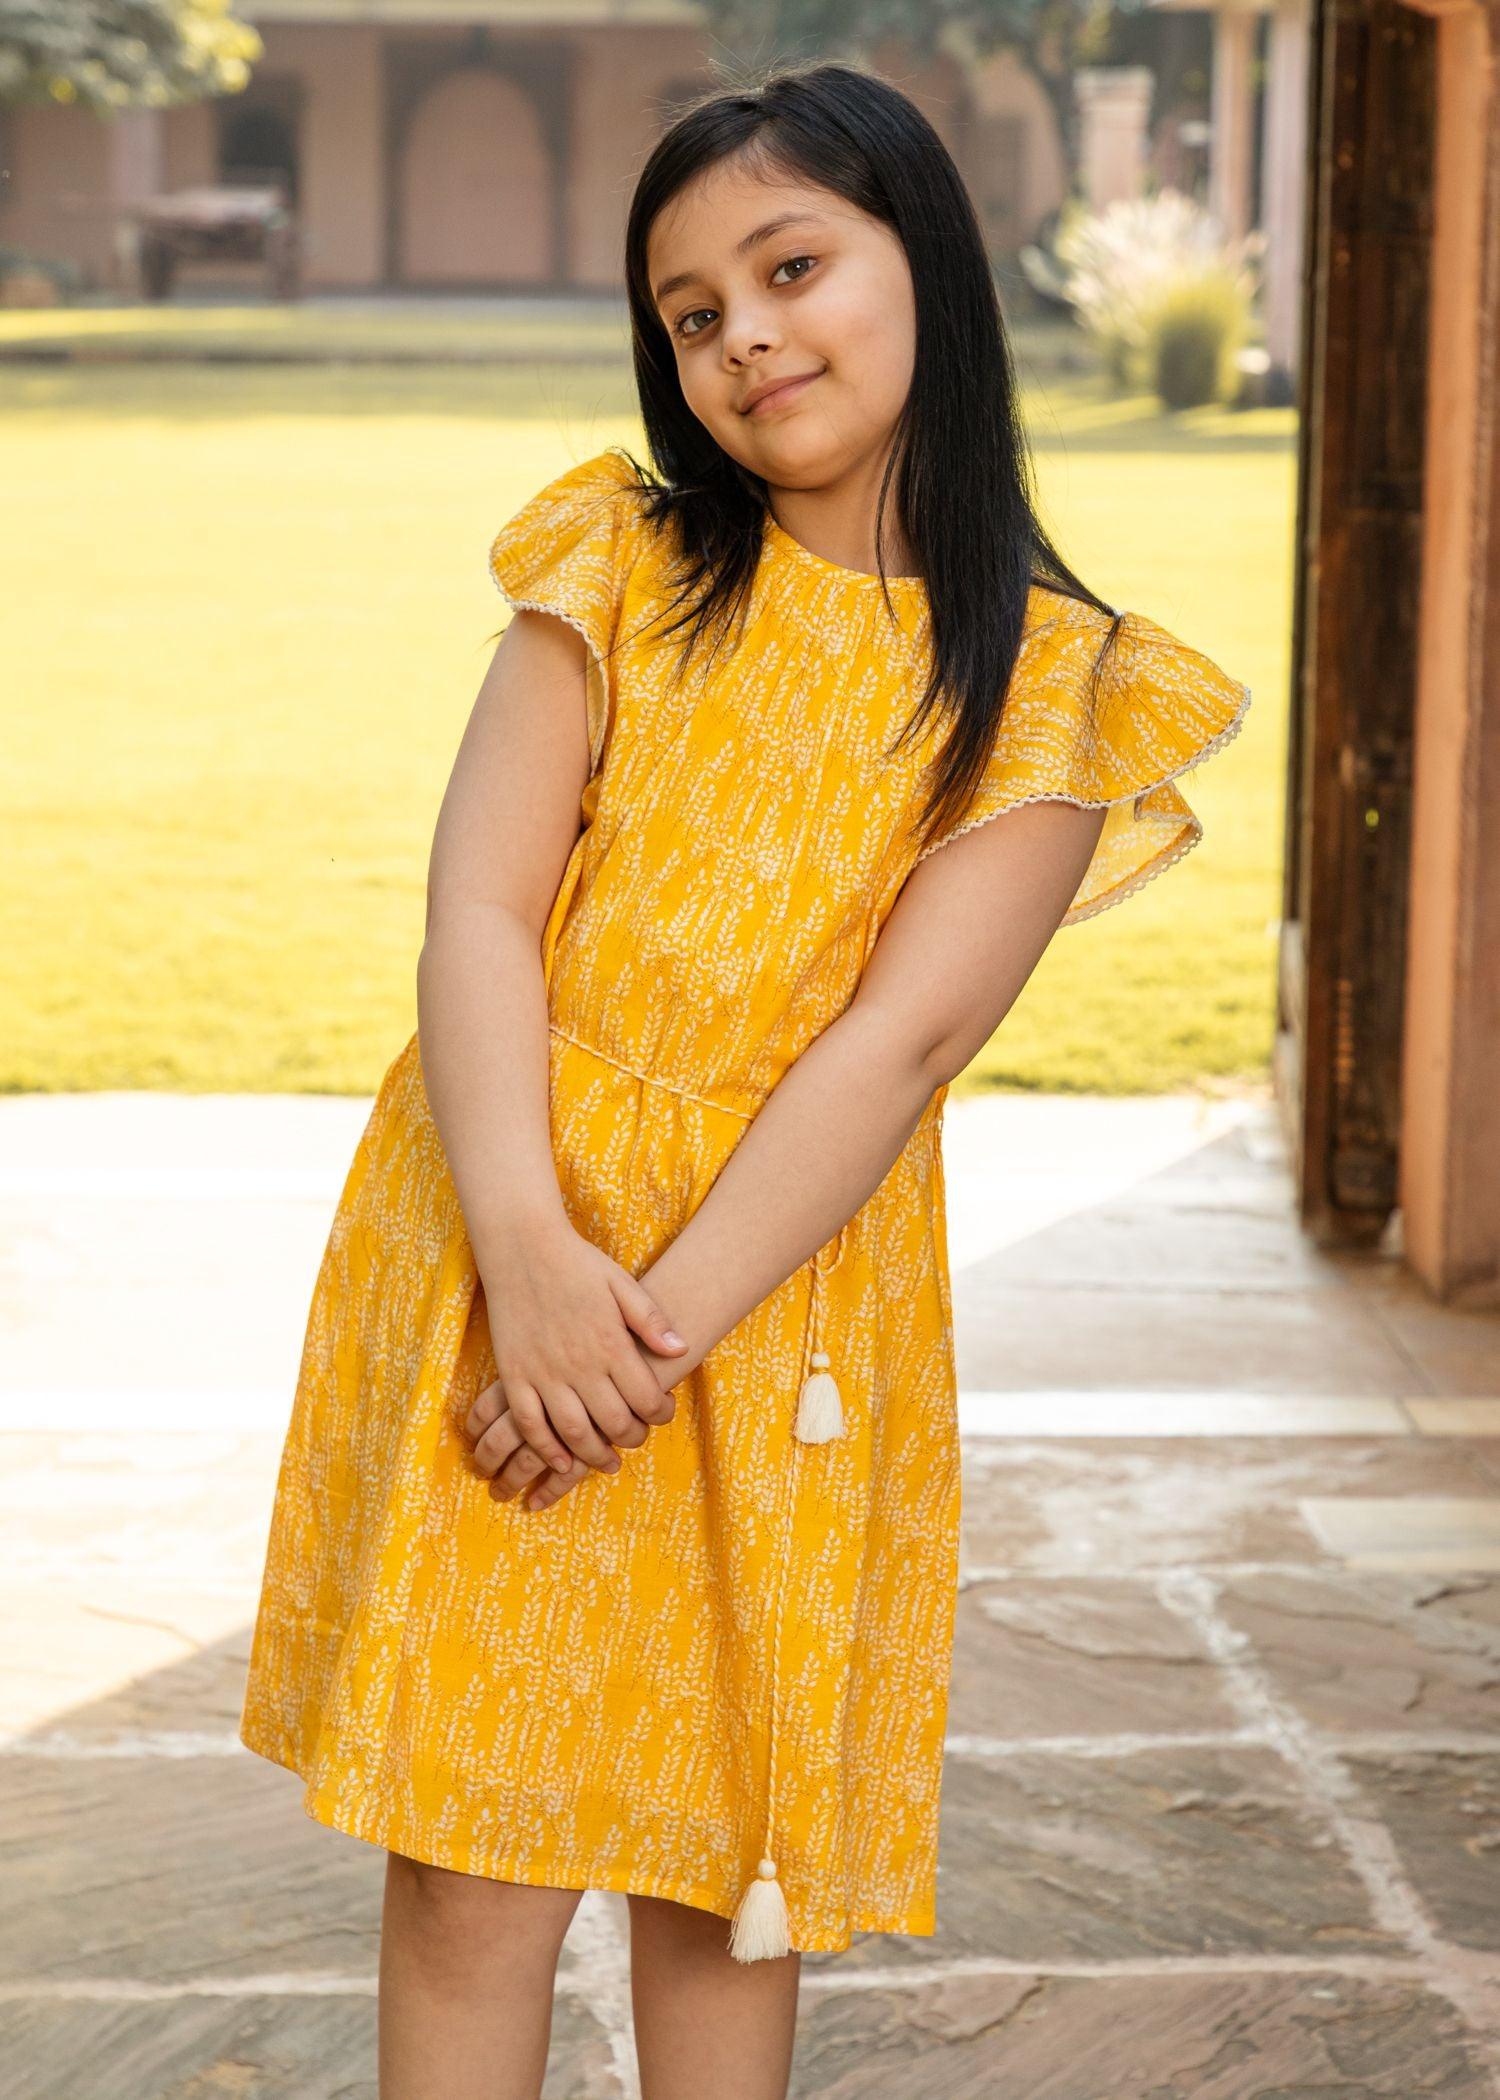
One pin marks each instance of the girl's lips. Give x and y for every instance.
(778, 395)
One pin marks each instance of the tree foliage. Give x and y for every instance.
(1052, 38)
(108, 55)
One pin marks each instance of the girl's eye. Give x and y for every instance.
(685, 324)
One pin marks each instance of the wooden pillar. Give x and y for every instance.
(1450, 1131)
(1360, 529)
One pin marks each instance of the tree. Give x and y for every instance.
(108, 55)
(1052, 38)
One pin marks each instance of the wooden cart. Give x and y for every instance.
(220, 225)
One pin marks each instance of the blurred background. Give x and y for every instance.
(292, 344)
(299, 301)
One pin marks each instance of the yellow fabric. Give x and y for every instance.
(741, 1646)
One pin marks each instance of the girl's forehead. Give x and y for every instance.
(724, 215)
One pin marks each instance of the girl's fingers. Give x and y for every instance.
(643, 1393)
(512, 1466)
(522, 1473)
(612, 1414)
(536, 1427)
(487, 1410)
(498, 1444)
(576, 1429)
(643, 1316)
(523, 1470)
(552, 1489)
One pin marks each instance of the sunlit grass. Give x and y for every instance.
(248, 609)
(376, 330)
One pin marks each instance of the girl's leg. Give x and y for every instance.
(704, 2022)
(467, 1971)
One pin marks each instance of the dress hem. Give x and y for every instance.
(383, 1831)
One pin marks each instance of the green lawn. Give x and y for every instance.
(378, 330)
(247, 612)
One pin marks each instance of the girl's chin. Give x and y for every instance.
(803, 456)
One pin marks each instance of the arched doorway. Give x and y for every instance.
(474, 186)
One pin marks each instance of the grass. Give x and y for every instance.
(376, 330)
(248, 610)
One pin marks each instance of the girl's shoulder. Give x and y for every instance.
(1107, 720)
(571, 550)
(590, 512)
(1099, 666)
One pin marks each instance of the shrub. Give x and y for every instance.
(1165, 297)
(61, 272)
(1193, 330)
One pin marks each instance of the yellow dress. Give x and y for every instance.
(729, 1666)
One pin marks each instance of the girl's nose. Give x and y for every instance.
(747, 337)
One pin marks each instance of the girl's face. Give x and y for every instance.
(759, 281)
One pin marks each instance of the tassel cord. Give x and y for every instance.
(760, 1926)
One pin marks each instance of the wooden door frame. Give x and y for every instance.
(1356, 610)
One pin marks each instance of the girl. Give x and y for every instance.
(616, 1540)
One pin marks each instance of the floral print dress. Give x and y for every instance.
(723, 1677)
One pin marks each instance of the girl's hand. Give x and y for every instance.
(517, 1467)
(571, 1380)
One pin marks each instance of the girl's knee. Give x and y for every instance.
(444, 1905)
(662, 1917)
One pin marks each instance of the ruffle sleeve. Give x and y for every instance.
(568, 551)
(1159, 708)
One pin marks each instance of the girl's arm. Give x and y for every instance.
(508, 821)
(965, 934)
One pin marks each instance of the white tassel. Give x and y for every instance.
(759, 1928)
(820, 1412)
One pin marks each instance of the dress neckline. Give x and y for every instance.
(780, 543)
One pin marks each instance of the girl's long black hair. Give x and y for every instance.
(959, 458)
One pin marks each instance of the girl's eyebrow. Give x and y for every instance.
(751, 240)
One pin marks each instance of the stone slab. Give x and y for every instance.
(155, 1658)
(1177, 1233)
(1129, 1502)
(1477, 1417)
(1444, 1814)
(216, 1289)
(1392, 1653)
(1120, 1412)
(1017, 1165)
(1073, 1658)
(1307, 2037)
(246, 2048)
(190, 1507)
(180, 1869)
(175, 1869)
(1455, 1532)
(1453, 1349)
(1016, 1336)
(1182, 1852)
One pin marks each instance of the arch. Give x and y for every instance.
(475, 192)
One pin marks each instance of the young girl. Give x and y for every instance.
(616, 1539)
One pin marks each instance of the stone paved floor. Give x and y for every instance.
(1222, 1806)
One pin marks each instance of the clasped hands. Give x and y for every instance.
(572, 1333)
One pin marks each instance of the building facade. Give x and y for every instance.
(443, 145)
